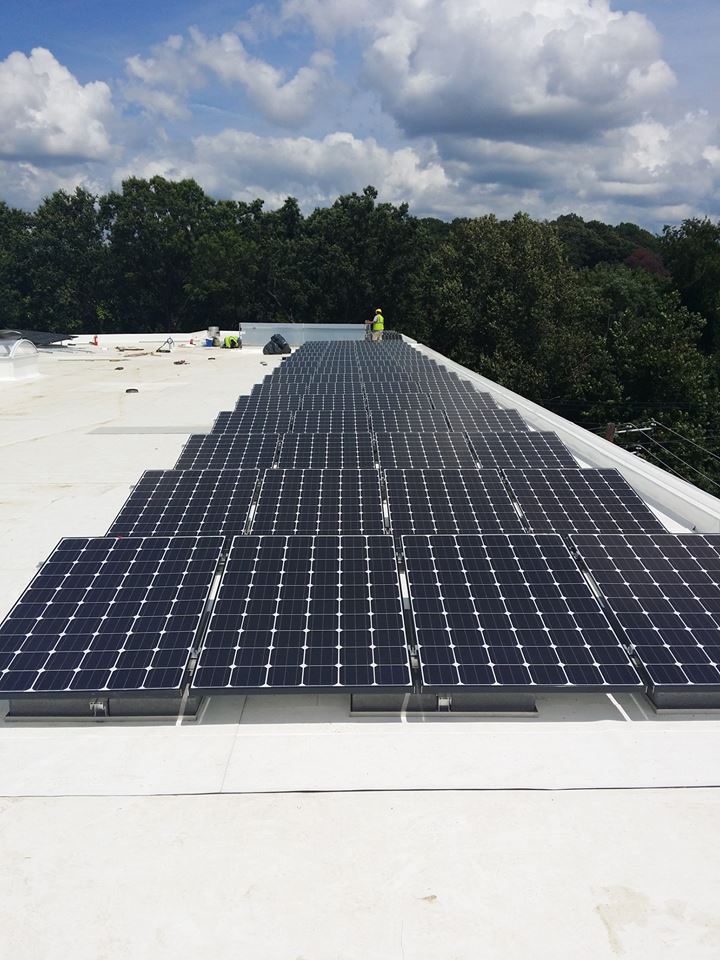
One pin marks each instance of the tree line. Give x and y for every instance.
(599, 323)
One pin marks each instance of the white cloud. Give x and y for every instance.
(160, 83)
(531, 70)
(46, 113)
(243, 165)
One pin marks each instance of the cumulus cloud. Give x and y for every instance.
(531, 70)
(244, 165)
(46, 113)
(160, 83)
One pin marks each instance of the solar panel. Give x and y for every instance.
(338, 402)
(176, 502)
(260, 421)
(231, 451)
(664, 590)
(408, 421)
(405, 402)
(482, 421)
(460, 402)
(327, 450)
(388, 386)
(449, 501)
(315, 421)
(419, 451)
(527, 450)
(319, 502)
(508, 611)
(306, 612)
(109, 614)
(580, 501)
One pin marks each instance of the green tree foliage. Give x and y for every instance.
(692, 254)
(599, 323)
(15, 239)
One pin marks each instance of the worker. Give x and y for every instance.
(378, 325)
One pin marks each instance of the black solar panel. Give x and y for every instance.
(482, 421)
(196, 502)
(664, 590)
(386, 386)
(403, 402)
(327, 450)
(580, 501)
(508, 611)
(408, 421)
(319, 502)
(449, 501)
(109, 614)
(260, 421)
(524, 451)
(315, 421)
(338, 402)
(228, 452)
(306, 612)
(419, 451)
(462, 401)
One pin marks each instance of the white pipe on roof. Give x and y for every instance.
(684, 502)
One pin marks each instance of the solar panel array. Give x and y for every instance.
(347, 464)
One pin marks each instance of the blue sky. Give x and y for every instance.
(457, 106)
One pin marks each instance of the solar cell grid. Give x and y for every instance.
(268, 401)
(580, 501)
(178, 502)
(528, 450)
(306, 612)
(272, 421)
(406, 421)
(319, 502)
(317, 421)
(508, 611)
(664, 590)
(228, 451)
(335, 403)
(384, 387)
(462, 402)
(483, 421)
(108, 614)
(418, 451)
(401, 403)
(449, 501)
(327, 451)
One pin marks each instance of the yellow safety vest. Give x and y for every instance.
(378, 322)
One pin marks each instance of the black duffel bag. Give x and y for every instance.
(271, 347)
(281, 342)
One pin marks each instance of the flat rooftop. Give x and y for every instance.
(284, 826)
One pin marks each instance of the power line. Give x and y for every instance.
(684, 462)
(655, 457)
(688, 440)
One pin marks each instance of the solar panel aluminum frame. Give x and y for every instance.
(218, 622)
